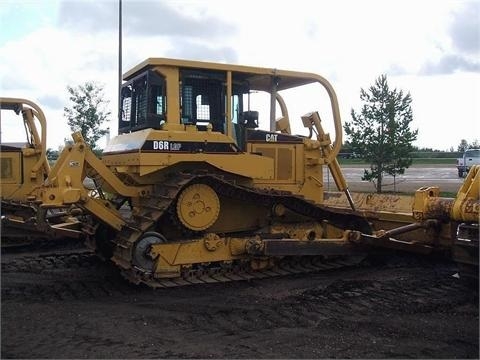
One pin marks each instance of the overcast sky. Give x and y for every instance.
(428, 48)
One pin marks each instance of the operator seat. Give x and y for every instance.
(249, 119)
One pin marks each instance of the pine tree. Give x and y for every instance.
(381, 132)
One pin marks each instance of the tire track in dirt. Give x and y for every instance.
(103, 316)
(436, 292)
(72, 275)
(82, 276)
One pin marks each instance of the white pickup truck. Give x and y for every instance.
(470, 157)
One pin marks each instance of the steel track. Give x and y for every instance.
(151, 209)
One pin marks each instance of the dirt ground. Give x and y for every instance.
(71, 305)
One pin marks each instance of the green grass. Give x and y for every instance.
(416, 161)
(427, 161)
(447, 194)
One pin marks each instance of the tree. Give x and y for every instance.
(463, 145)
(381, 132)
(87, 112)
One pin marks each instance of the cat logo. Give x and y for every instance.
(271, 137)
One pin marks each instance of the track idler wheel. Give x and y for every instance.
(141, 257)
(198, 207)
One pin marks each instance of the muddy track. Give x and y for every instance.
(80, 275)
(308, 308)
(59, 275)
(71, 304)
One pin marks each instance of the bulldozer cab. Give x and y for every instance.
(203, 103)
(171, 94)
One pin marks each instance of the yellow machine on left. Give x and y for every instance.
(24, 167)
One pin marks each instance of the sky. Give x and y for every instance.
(430, 49)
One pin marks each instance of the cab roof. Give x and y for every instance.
(258, 78)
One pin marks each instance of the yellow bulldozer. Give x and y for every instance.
(196, 189)
(24, 167)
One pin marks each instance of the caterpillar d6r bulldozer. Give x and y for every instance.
(24, 167)
(193, 189)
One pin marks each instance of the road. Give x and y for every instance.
(415, 177)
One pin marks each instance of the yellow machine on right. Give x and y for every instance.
(193, 190)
